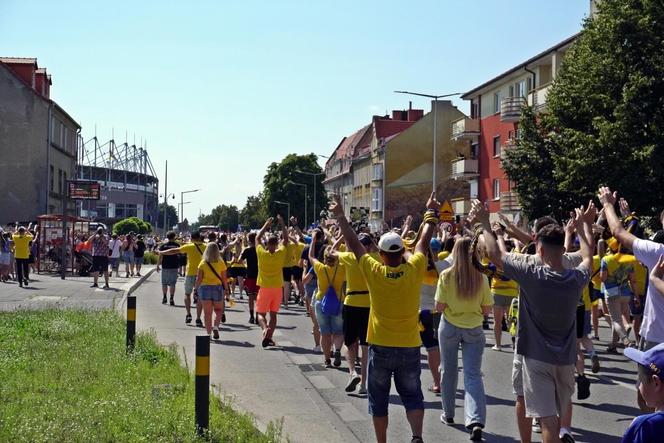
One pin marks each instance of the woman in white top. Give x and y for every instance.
(114, 248)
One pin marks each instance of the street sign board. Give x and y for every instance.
(83, 190)
(446, 212)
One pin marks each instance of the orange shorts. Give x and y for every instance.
(269, 300)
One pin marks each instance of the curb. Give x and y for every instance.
(118, 304)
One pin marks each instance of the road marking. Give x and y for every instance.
(348, 412)
(321, 382)
(48, 298)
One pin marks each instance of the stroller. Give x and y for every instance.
(83, 262)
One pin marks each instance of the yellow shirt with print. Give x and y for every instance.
(355, 282)
(270, 266)
(209, 279)
(395, 301)
(507, 288)
(597, 281)
(22, 245)
(194, 257)
(337, 274)
(462, 312)
(293, 253)
(640, 273)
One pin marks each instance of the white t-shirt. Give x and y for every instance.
(428, 292)
(114, 246)
(652, 328)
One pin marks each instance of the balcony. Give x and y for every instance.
(510, 109)
(537, 98)
(509, 144)
(463, 169)
(461, 206)
(465, 128)
(509, 201)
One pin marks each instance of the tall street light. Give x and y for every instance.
(435, 120)
(314, 175)
(288, 209)
(305, 201)
(182, 202)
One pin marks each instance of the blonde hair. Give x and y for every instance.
(211, 253)
(468, 279)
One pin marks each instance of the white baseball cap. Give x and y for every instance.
(390, 242)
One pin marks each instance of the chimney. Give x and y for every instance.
(415, 114)
(400, 115)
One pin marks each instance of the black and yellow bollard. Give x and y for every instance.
(202, 402)
(131, 323)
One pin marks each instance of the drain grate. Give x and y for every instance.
(312, 367)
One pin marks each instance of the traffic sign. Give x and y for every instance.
(446, 212)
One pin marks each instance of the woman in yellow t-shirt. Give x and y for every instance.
(210, 285)
(331, 327)
(464, 298)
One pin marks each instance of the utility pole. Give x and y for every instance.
(165, 195)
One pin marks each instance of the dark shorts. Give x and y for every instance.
(99, 263)
(251, 286)
(636, 311)
(430, 321)
(287, 273)
(582, 322)
(237, 272)
(356, 323)
(404, 365)
(296, 272)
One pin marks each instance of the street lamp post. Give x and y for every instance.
(313, 175)
(182, 200)
(435, 121)
(305, 201)
(287, 208)
(166, 197)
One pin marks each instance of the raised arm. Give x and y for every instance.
(608, 201)
(312, 252)
(430, 222)
(284, 230)
(583, 222)
(496, 256)
(261, 233)
(514, 231)
(405, 228)
(173, 251)
(352, 241)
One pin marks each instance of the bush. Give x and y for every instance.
(150, 258)
(132, 224)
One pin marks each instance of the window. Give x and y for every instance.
(59, 180)
(496, 189)
(520, 88)
(511, 91)
(53, 123)
(51, 178)
(496, 146)
(474, 150)
(64, 179)
(377, 200)
(378, 171)
(474, 110)
(529, 85)
(63, 136)
(496, 102)
(102, 210)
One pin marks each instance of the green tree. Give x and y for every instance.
(605, 120)
(171, 216)
(254, 213)
(226, 217)
(132, 224)
(278, 186)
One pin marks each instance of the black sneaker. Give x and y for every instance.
(337, 358)
(215, 334)
(187, 319)
(475, 432)
(446, 420)
(416, 439)
(353, 382)
(595, 363)
(164, 300)
(223, 317)
(199, 323)
(172, 302)
(567, 438)
(251, 319)
(106, 287)
(94, 285)
(328, 363)
(582, 387)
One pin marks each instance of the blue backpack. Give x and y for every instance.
(331, 305)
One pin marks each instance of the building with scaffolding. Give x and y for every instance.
(39, 142)
(129, 185)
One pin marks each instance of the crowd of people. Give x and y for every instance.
(381, 298)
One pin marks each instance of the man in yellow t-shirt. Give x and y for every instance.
(21, 241)
(292, 272)
(356, 313)
(194, 251)
(393, 333)
(270, 277)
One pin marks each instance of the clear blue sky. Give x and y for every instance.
(221, 89)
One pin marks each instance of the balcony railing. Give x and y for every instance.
(464, 168)
(461, 206)
(465, 128)
(509, 201)
(509, 144)
(510, 108)
(537, 98)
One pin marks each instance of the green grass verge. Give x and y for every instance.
(65, 376)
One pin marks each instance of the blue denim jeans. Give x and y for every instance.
(472, 347)
(404, 365)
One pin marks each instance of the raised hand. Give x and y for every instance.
(624, 207)
(293, 221)
(606, 196)
(432, 203)
(335, 207)
(478, 213)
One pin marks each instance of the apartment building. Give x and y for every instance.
(493, 125)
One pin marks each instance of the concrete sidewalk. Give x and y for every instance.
(50, 291)
(262, 382)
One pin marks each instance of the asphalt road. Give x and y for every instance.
(601, 418)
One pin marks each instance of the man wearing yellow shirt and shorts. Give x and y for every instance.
(393, 333)
(194, 251)
(356, 313)
(270, 278)
(21, 240)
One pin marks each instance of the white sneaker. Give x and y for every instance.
(362, 390)
(495, 348)
(317, 349)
